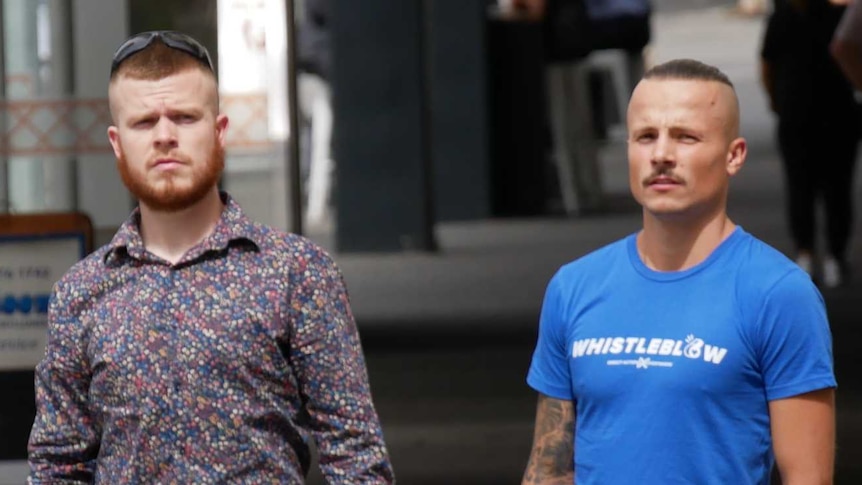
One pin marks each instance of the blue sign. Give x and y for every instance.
(29, 267)
(26, 304)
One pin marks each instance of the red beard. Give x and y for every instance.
(167, 195)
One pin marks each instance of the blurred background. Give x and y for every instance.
(449, 153)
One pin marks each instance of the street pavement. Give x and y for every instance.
(448, 336)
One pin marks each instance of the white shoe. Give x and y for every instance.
(832, 276)
(804, 261)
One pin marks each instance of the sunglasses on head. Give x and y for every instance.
(174, 40)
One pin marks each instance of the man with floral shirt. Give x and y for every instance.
(197, 346)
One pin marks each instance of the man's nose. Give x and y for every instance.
(663, 151)
(165, 133)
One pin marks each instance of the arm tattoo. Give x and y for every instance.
(552, 459)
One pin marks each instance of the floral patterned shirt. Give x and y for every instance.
(216, 369)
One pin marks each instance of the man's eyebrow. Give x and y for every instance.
(184, 110)
(137, 115)
(635, 127)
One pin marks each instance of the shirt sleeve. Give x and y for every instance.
(549, 372)
(850, 28)
(330, 367)
(64, 440)
(795, 340)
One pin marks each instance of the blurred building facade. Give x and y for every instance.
(405, 157)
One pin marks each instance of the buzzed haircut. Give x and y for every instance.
(157, 61)
(687, 69)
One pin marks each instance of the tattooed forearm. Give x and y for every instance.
(552, 459)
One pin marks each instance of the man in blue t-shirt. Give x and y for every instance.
(689, 352)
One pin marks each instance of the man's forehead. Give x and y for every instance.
(696, 104)
(185, 81)
(684, 90)
(186, 88)
(684, 94)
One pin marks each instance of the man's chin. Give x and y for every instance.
(171, 201)
(665, 208)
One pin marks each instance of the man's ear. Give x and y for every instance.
(114, 138)
(736, 154)
(222, 124)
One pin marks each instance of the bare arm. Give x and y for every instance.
(768, 83)
(803, 437)
(846, 46)
(533, 9)
(849, 57)
(552, 459)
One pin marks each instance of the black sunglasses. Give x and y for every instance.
(172, 39)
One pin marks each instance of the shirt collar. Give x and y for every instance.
(233, 225)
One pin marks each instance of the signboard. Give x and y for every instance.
(35, 251)
(29, 266)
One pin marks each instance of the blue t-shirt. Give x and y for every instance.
(671, 372)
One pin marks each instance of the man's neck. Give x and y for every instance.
(677, 244)
(169, 235)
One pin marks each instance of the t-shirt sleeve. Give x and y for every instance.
(794, 339)
(850, 28)
(549, 371)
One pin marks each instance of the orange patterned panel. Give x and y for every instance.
(66, 127)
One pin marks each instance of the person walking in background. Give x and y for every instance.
(314, 74)
(689, 351)
(623, 25)
(817, 131)
(846, 44)
(573, 29)
(198, 346)
(568, 41)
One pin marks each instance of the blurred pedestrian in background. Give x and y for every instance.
(817, 131)
(623, 25)
(314, 74)
(573, 29)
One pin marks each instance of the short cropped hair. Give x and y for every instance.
(157, 61)
(687, 69)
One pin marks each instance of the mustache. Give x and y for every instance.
(662, 173)
(172, 156)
